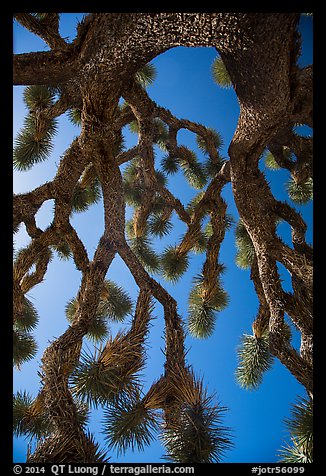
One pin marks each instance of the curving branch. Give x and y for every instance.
(92, 74)
(47, 28)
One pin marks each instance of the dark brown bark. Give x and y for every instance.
(93, 72)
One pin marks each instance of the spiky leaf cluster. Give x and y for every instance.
(24, 347)
(38, 97)
(63, 250)
(216, 138)
(300, 427)
(74, 116)
(211, 166)
(174, 264)
(29, 318)
(28, 416)
(220, 73)
(96, 383)
(115, 304)
(203, 307)
(198, 436)
(300, 193)
(195, 433)
(246, 251)
(254, 360)
(85, 196)
(169, 164)
(33, 143)
(141, 246)
(110, 375)
(295, 453)
(159, 131)
(129, 424)
(159, 225)
(112, 372)
(270, 161)
(192, 169)
(146, 75)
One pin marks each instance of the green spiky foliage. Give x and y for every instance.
(300, 427)
(111, 373)
(66, 448)
(174, 264)
(215, 137)
(74, 115)
(254, 360)
(220, 73)
(24, 347)
(197, 438)
(132, 170)
(130, 425)
(270, 162)
(134, 126)
(160, 177)
(300, 193)
(132, 194)
(98, 330)
(95, 383)
(146, 75)
(194, 201)
(63, 250)
(203, 306)
(159, 225)
(85, 196)
(141, 246)
(212, 167)
(195, 434)
(169, 164)
(286, 331)
(29, 318)
(38, 97)
(115, 304)
(33, 143)
(200, 244)
(188, 162)
(295, 453)
(246, 252)
(28, 417)
(133, 191)
(160, 132)
(300, 424)
(192, 169)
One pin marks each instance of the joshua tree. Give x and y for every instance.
(109, 61)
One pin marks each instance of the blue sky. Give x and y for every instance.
(185, 86)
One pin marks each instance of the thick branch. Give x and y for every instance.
(45, 29)
(47, 67)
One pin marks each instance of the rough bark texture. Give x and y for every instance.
(93, 72)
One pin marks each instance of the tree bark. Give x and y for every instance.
(95, 70)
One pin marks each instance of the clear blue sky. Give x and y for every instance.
(185, 86)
